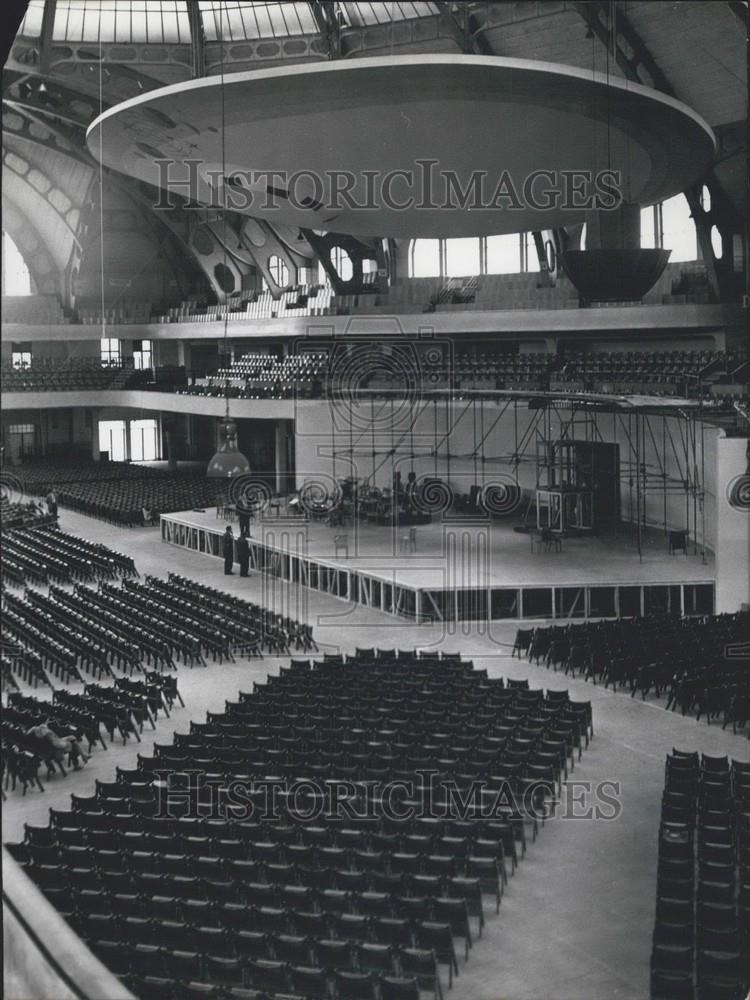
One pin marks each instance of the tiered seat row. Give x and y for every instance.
(269, 376)
(266, 376)
(187, 879)
(302, 300)
(124, 503)
(691, 660)
(701, 942)
(44, 310)
(119, 491)
(68, 634)
(42, 555)
(669, 372)
(70, 375)
(24, 515)
(503, 370)
(42, 475)
(73, 719)
(276, 633)
(692, 373)
(66, 644)
(133, 311)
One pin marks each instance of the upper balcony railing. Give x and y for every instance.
(487, 293)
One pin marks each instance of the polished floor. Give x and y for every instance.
(576, 920)
(461, 552)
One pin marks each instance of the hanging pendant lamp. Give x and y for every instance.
(228, 462)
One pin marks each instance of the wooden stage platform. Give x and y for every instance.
(464, 569)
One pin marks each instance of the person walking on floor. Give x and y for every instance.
(59, 745)
(52, 503)
(243, 553)
(227, 548)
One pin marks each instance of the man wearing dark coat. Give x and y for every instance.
(243, 553)
(243, 513)
(227, 548)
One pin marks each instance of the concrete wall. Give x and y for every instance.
(678, 322)
(411, 431)
(43, 957)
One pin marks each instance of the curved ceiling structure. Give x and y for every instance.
(285, 160)
(72, 60)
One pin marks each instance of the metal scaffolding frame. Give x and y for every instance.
(653, 434)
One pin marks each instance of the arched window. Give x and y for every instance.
(343, 263)
(16, 277)
(278, 271)
(679, 230)
(716, 243)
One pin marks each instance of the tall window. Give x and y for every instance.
(142, 354)
(32, 22)
(529, 256)
(278, 271)
(650, 227)
(504, 254)
(465, 257)
(121, 21)
(112, 439)
(22, 440)
(679, 230)
(342, 262)
(143, 441)
(21, 359)
(669, 225)
(425, 259)
(238, 21)
(361, 14)
(16, 277)
(462, 257)
(110, 351)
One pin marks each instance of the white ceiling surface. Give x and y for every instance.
(551, 36)
(700, 48)
(387, 108)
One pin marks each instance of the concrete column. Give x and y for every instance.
(732, 528)
(168, 423)
(94, 434)
(280, 456)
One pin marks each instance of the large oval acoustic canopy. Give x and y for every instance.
(422, 145)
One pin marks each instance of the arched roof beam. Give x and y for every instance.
(638, 65)
(31, 245)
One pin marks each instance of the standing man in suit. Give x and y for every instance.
(243, 553)
(243, 512)
(227, 548)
